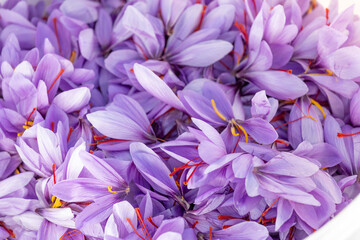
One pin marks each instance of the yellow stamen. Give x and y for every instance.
(57, 202)
(53, 199)
(318, 106)
(324, 168)
(110, 189)
(328, 73)
(217, 111)
(20, 134)
(26, 127)
(17, 171)
(241, 129)
(233, 131)
(311, 117)
(73, 56)
(29, 123)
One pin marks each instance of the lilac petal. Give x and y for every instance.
(23, 94)
(15, 183)
(172, 225)
(116, 125)
(243, 231)
(281, 55)
(96, 212)
(288, 164)
(355, 109)
(328, 184)
(255, 37)
(82, 75)
(170, 235)
(284, 212)
(171, 11)
(50, 230)
(221, 18)
(47, 70)
(83, 10)
(199, 56)
(11, 17)
(114, 63)
(343, 62)
(60, 216)
(15, 206)
(156, 86)
(324, 153)
(11, 50)
(199, 107)
(139, 25)
(241, 165)
(49, 149)
(279, 84)
(260, 105)
(80, 190)
(330, 40)
(103, 28)
(264, 60)
(275, 24)
(153, 168)
(210, 156)
(222, 162)
(315, 216)
(131, 108)
(88, 44)
(100, 169)
(210, 132)
(121, 212)
(79, 98)
(260, 130)
(343, 87)
(186, 24)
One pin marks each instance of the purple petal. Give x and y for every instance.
(221, 18)
(103, 28)
(279, 84)
(80, 190)
(73, 100)
(243, 231)
(156, 86)
(343, 62)
(88, 44)
(288, 164)
(152, 168)
(83, 10)
(15, 183)
(199, 56)
(355, 109)
(260, 130)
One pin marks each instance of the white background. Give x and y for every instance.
(343, 4)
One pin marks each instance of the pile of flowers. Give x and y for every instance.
(176, 119)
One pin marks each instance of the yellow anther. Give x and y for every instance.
(20, 134)
(110, 189)
(311, 117)
(73, 56)
(26, 127)
(53, 198)
(29, 123)
(233, 131)
(57, 202)
(318, 106)
(240, 128)
(330, 73)
(217, 111)
(17, 171)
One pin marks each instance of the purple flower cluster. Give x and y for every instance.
(176, 119)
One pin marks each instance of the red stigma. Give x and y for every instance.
(53, 126)
(53, 169)
(262, 218)
(226, 226)
(152, 222)
(8, 230)
(55, 80)
(70, 234)
(327, 11)
(255, 8)
(291, 233)
(29, 117)
(57, 35)
(282, 142)
(282, 70)
(71, 129)
(142, 224)
(201, 18)
(242, 30)
(340, 135)
(245, 20)
(195, 223)
(210, 232)
(141, 50)
(224, 217)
